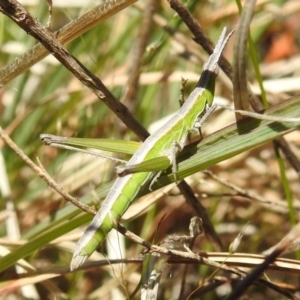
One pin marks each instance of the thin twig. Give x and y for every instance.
(43, 174)
(277, 205)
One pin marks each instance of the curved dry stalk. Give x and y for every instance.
(41, 172)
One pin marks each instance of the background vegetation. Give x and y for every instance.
(141, 53)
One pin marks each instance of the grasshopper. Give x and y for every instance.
(165, 142)
(157, 153)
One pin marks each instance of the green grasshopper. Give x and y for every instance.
(156, 154)
(165, 142)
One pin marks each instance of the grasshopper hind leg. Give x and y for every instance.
(176, 147)
(154, 180)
